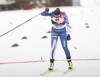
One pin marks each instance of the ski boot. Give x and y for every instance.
(70, 64)
(51, 64)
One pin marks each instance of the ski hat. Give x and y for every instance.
(56, 12)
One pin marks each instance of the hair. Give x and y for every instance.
(57, 11)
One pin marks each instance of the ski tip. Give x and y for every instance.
(69, 70)
(74, 67)
(49, 71)
(56, 68)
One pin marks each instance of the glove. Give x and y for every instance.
(68, 37)
(46, 9)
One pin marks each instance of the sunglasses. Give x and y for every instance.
(56, 15)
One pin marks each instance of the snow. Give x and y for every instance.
(25, 60)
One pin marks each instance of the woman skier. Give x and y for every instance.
(59, 19)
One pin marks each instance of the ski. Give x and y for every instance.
(48, 71)
(69, 70)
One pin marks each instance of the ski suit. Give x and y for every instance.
(59, 29)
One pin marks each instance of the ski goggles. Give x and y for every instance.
(56, 15)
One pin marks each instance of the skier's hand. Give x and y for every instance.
(68, 37)
(46, 9)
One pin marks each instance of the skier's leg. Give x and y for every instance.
(67, 52)
(54, 39)
(64, 45)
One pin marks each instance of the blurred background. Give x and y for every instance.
(29, 4)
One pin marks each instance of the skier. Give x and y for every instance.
(59, 19)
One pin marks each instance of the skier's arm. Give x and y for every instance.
(67, 24)
(45, 13)
(68, 27)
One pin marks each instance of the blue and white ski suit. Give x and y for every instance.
(59, 29)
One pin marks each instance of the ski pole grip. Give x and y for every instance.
(46, 9)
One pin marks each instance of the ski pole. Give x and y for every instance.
(19, 25)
